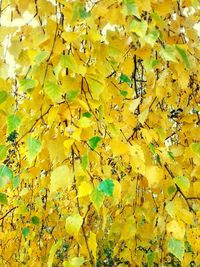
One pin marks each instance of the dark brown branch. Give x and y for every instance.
(9, 211)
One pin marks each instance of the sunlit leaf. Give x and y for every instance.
(33, 148)
(138, 27)
(182, 53)
(61, 178)
(169, 53)
(84, 189)
(41, 56)
(93, 244)
(53, 90)
(15, 180)
(52, 252)
(5, 175)
(176, 247)
(13, 122)
(27, 84)
(73, 224)
(196, 147)
(71, 95)
(84, 162)
(130, 8)
(97, 198)
(183, 183)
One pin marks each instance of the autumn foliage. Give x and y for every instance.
(99, 134)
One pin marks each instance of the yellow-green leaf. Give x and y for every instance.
(73, 224)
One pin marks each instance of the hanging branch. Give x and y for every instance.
(178, 190)
(79, 210)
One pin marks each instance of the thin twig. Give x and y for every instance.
(9, 211)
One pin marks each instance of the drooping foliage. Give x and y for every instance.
(99, 135)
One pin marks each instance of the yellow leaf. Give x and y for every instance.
(118, 148)
(137, 158)
(68, 143)
(149, 135)
(186, 216)
(143, 116)
(52, 252)
(176, 229)
(93, 245)
(61, 178)
(136, 151)
(73, 224)
(154, 175)
(84, 189)
(104, 213)
(134, 104)
(84, 122)
(116, 192)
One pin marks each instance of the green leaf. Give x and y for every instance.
(33, 148)
(93, 142)
(27, 84)
(35, 220)
(71, 95)
(158, 159)
(176, 247)
(107, 187)
(97, 198)
(150, 64)
(68, 61)
(77, 261)
(5, 175)
(87, 115)
(152, 148)
(3, 96)
(84, 162)
(125, 79)
(152, 37)
(171, 189)
(13, 122)
(3, 151)
(138, 27)
(15, 180)
(41, 56)
(53, 90)
(171, 155)
(3, 199)
(25, 231)
(150, 258)
(79, 12)
(169, 53)
(183, 56)
(183, 183)
(196, 147)
(123, 93)
(130, 8)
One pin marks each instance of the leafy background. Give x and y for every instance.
(99, 135)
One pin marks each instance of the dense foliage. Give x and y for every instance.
(99, 135)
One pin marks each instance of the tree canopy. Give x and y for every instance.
(99, 135)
